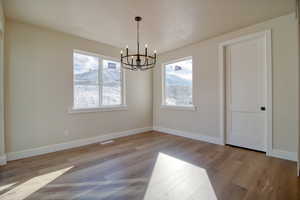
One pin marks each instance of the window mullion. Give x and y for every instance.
(100, 81)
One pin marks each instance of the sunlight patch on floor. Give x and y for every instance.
(29, 187)
(174, 179)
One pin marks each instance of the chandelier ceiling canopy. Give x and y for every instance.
(138, 61)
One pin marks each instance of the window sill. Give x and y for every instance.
(99, 109)
(189, 108)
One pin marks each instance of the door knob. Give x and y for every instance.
(263, 108)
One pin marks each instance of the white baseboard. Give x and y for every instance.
(82, 142)
(286, 155)
(214, 140)
(2, 160)
(72, 144)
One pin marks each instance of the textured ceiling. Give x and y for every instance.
(166, 25)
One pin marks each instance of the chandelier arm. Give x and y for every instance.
(142, 55)
(127, 58)
(145, 64)
(134, 68)
(146, 61)
(135, 65)
(130, 68)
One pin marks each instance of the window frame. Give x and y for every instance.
(191, 107)
(100, 108)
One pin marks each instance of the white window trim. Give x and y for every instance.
(177, 107)
(98, 109)
(101, 108)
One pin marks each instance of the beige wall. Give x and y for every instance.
(39, 90)
(2, 24)
(206, 119)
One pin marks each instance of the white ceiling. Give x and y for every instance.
(166, 25)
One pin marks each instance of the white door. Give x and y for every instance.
(246, 89)
(2, 148)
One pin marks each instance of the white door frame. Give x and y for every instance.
(2, 142)
(222, 73)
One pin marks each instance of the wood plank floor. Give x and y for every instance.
(151, 166)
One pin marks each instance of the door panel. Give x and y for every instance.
(247, 130)
(246, 93)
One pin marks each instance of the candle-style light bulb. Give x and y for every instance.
(155, 53)
(132, 60)
(126, 50)
(146, 50)
(121, 52)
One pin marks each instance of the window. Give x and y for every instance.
(178, 83)
(98, 82)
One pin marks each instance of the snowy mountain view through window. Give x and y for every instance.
(179, 83)
(97, 81)
(111, 77)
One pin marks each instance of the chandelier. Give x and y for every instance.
(138, 61)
